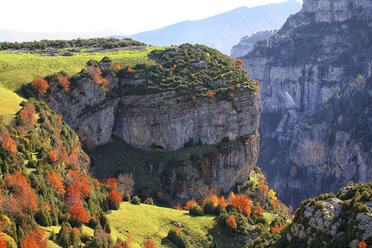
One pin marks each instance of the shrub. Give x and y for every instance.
(126, 197)
(179, 239)
(196, 210)
(135, 200)
(149, 201)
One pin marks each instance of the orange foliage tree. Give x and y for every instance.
(27, 116)
(115, 196)
(191, 203)
(213, 199)
(258, 211)
(243, 203)
(64, 83)
(3, 243)
(276, 229)
(24, 197)
(53, 156)
(239, 63)
(149, 244)
(40, 85)
(111, 183)
(78, 213)
(35, 239)
(56, 181)
(209, 93)
(362, 244)
(222, 202)
(79, 187)
(274, 203)
(231, 221)
(9, 144)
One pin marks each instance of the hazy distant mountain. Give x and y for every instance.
(224, 30)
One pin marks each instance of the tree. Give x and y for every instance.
(231, 222)
(362, 244)
(126, 183)
(274, 203)
(117, 66)
(276, 229)
(9, 144)
(272, 194)
(115, 196)
(239, 63)
(27, 116)
(40, 85)
(78, 213)
(129, 70)
(53, 156)
(63, 82)
(25, 198)
(111, 183)
(209, 93)
(222, 202)
(3, 243)
(243, 203)
(78, 189)
(35, 239)
(191, 203)
(149, 244)
(56, 181)
(258, 211)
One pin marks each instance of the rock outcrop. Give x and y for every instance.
(330, 221)
(87, 109)
(166, 121)
(311, 57)
(247, 42)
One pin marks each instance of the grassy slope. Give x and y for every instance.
(17, 68)
(9, 102)
(144, 221)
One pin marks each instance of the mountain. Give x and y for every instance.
(315, 124)
(224, 30)
(247, 42)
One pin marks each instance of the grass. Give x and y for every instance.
(48, 231)
(9, 103)
(17, 68)
(142, 222)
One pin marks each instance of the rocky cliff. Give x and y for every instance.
(191, 96)
(247, 42)
(333, 221)
(311, 57)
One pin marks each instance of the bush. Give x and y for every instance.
(126, 197)
(135, 200)
(179, 239)
(149, 201)
(196, 210)
(209, 207)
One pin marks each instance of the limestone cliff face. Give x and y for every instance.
(311, 57)
(247, 42)
(87, 108)
(169, 122)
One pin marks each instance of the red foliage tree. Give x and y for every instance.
(63, 81)
(111, 183)
(27, 116)
(53, 156)
(231, 221)
(243, 203)
(117, 66)
(40, 85)
(149, 244)
(79, 187)
(35, 239)
(115, 196)
(276, 229)
(78, 213)
(9, 144)
(222, 202)
(274, 203)
(129, 70)
(362, 244)
(25, 198)
(3, 243)
(56, 181)
(258, 211)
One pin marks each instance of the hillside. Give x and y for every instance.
(304, 69)
(221, 31)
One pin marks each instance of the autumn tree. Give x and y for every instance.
(111, 183)
(117, 66)
(239, 63)
(40, 85)
(209, 93)
(27, 116)
(126, 183)
(191, 203)
(362, 244)
(53, 156)
(3, 243)
(276, 229)
(78, 213)
(231, 222)
(63, 82)
(79, 187)
(149, 244)
(9, 144)
(24, 197)
(115, 196)
(243, 203)
(35, 239)
(222, 202)
(56, 181)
